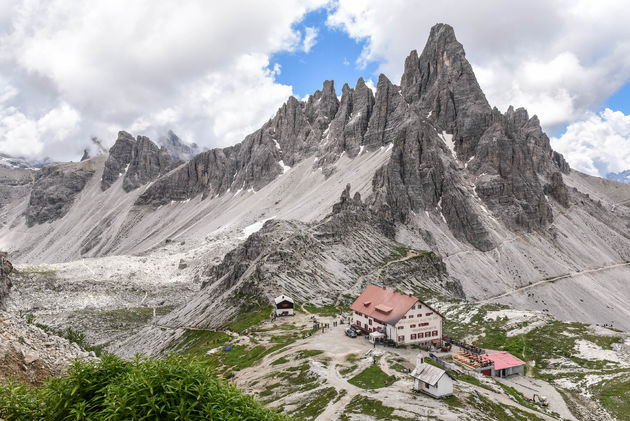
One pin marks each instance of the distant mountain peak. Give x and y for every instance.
(177, 148)
(622, 177)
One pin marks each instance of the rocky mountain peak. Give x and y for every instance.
(139, 160)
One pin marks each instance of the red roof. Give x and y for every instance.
(383, 304)
(503, 360)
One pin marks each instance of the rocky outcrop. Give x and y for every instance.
(139, 160)
(420, 177)
(387, 114)
(557, 189)
(508, 154)
(147, 163)
(118, 159)
(5, 282)
(347, 130)
(32, 355)
(54, 190)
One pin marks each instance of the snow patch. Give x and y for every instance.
(429, 115)
(285, 168)
(255, 227)
(277, 144)
(361, 149)
(448, 140)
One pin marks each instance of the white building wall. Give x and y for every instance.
(365, 322)
(412, 324)
(444, 387)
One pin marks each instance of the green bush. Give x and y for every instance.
(112, 389)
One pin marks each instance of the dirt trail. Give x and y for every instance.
(619, 203)
(557, 278)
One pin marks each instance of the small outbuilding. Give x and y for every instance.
(505, 364)
(432, 380)
(284, 306)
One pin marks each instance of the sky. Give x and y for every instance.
(215, 71)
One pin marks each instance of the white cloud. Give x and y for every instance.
(556, 58)
(310, 38)
(370, 84)
(597, 145)
(22, 136)
(143, 66)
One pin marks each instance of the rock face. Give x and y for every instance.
(507, 155)
(5, 283)
(139, 160)
(32, 355)
(54, 190)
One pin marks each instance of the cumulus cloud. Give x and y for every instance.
(597, 145)
(310, 38)
(143, 66)
(558, 58)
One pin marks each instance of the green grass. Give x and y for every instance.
(311, 410)
(614, 395)
(113, 389)
(279, 361)
(352, 358)
(307, 353)
(198, 342)
(453, 401)
(372, 407)
(331, 310)
(246, 319)
(496, 411)
(347, 370)
(372, 378)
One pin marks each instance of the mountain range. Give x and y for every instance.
(318, 200)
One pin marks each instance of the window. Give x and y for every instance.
(400, 327)
(358, 323)
(428, 314)
(412, 326)
(426, 385)
(413, 336)
(419, 315)
(401, 338)
(435, 333)
(420, 335)
(370, 322)
(411, 316)
(404, 317)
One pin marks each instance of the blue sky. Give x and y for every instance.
(333, 57)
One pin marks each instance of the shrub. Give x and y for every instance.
(112, 389)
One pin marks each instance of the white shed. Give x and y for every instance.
(432, 380)
(284, 306)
